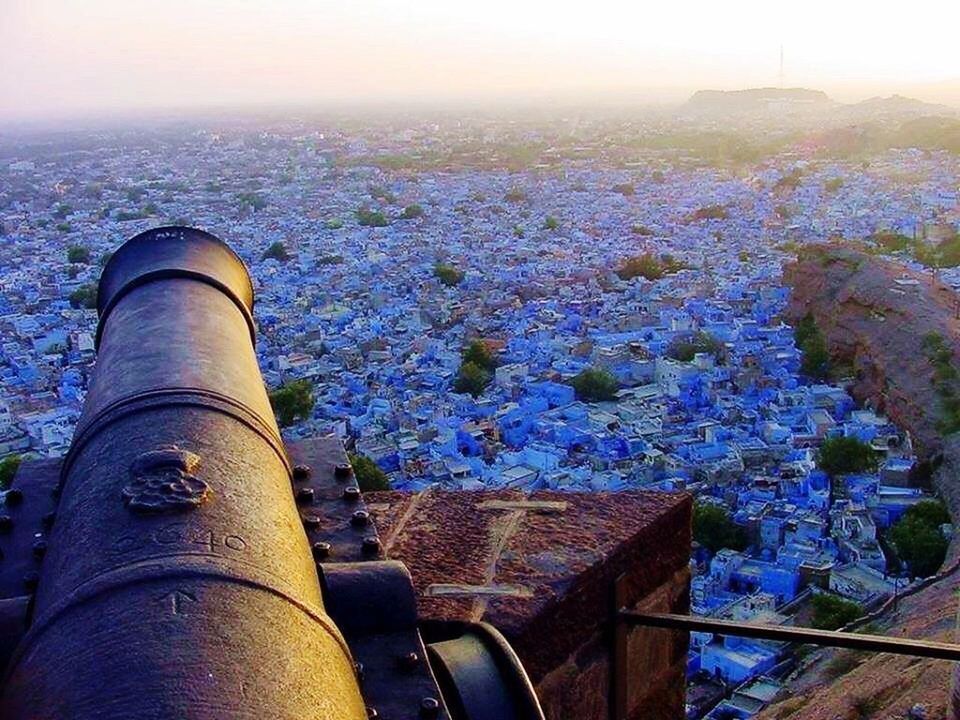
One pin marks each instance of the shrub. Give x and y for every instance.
(594, 385)
(447, 274)
(292, 401)
(715, 530)
(369, 475)
(831, 612)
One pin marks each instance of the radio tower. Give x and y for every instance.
(781, 66)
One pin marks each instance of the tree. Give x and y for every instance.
(447, 274)
(411, 212)
(292, 401)
(8, 468)
(78, 254)
(648, 266)
(471, 379)
(594, 385)
(276, 251)
(255, 201)
(685, 347)
(369, 475)
(479, 354)
(831, 612)
(84, 296)
(371, 218)
(918, 540)
(839, 455)
(714, 529)
(815, 361)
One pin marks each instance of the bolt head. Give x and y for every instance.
(312, 522)
(321, 550)
(305, 496)
(342, 471)
(6, 523)
(372, 713)
(13, 497)
(409, 661)
(351, 493)
(360, 518)
(371, 546)
(429, 707)
(49, 519)
(30, 580)
(39, 549)
(301, 472)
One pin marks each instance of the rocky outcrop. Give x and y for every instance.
(874, 314)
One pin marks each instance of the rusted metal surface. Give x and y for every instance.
(375, 607)
(27, 514)
(330, 503)
(208, 605)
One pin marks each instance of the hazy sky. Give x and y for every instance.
(69, 57)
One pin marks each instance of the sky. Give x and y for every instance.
(64, 58)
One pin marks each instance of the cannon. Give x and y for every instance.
(189, 564)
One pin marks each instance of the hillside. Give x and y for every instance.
(875, 316)
(753, 100)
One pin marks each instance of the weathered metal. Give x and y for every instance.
(178, 581)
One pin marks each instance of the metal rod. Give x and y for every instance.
(826, 638)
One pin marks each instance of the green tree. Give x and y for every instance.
(714, 529)
(685, 347)
(84, 296)
(479, 354)
(471, 379)
(276, 251)
(252, 200)
(369, 475)
(8, 468)
(78, 254)
(815, 359)
(918, 540)
(447, 274)
(648, 266)
(292, 401)
(411, 212)
(595, 385)
(831, 612)
(371, 218)
(839, 455)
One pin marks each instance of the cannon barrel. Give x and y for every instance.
(179, 582)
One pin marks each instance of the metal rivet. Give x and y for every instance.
(358, 670)
(429, 707)
(321, 550)
(342, 471)
(372, 713)
(39, 549)
(13, 497)
(312, 521)
(409, 661)
(371, 546)
(305, 496)
(6, 523)
(30, 580)
(351, 493)
(360, 518)
(301, 472)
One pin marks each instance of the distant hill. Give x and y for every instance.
(754, 100)
(894, 106)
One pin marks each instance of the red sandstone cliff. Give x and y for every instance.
(877, 324)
